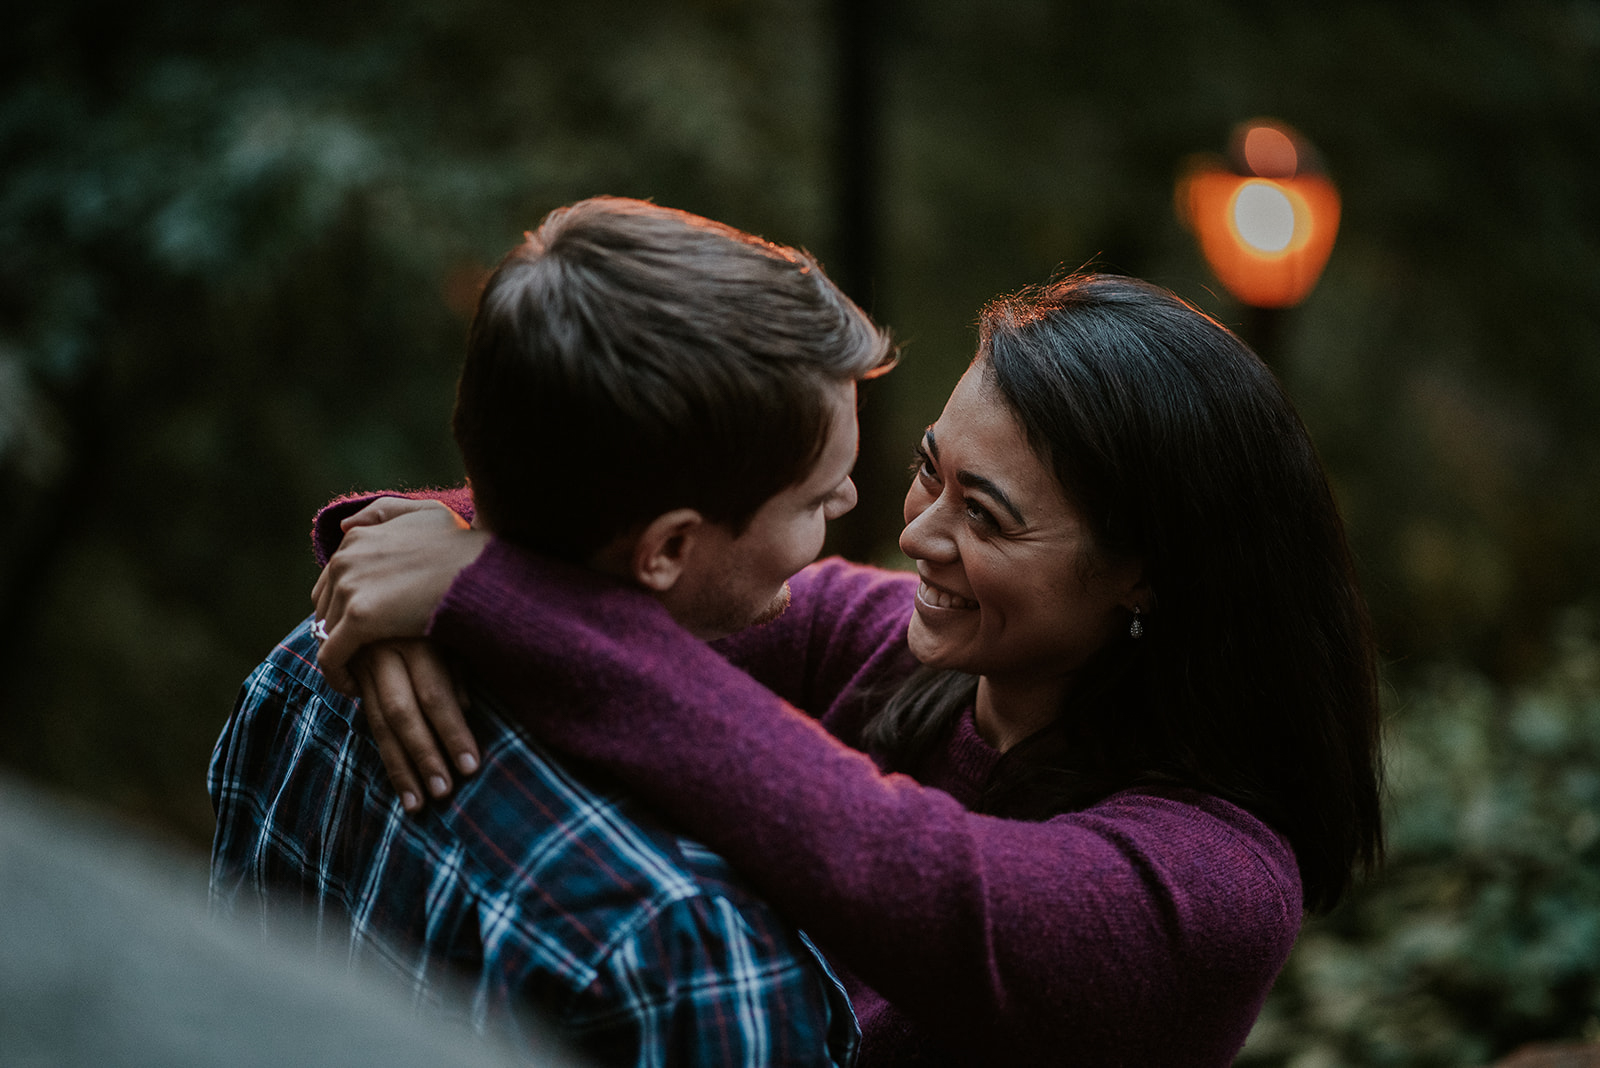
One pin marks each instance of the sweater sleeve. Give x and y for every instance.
(1146, 929)
(838, 648)
(326, 534)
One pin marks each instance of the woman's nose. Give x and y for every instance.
(927, 533)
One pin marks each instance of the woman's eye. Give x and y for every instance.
(922, 465)
(981, 516)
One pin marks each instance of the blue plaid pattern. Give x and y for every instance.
(533, 893)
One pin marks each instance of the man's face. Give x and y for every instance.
(731, 583)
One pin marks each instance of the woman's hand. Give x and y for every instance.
(413, 705)
(397, 560)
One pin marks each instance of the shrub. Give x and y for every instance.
(1482, 932)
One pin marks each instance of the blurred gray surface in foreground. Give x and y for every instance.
(108, 957)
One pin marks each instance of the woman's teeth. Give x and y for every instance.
(934, 597)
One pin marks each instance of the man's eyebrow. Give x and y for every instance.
(977, 482)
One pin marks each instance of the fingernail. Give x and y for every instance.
(467, 763)
(438, 786)
(408, 801)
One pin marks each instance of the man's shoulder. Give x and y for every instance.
(674, 935)
(293, 661)
(638, 911)
(572, 836)
(554, 844)
(284, 703)
(544, 880)
(286, 714)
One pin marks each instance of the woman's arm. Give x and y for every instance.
(400, 553)
(395, 560)
(1145, 925)
(845, 630)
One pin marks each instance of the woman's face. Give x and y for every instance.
(1009, 590)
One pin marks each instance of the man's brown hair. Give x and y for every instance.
(628, 359)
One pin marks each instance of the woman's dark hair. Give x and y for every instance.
(1256, 678)
(627, 359)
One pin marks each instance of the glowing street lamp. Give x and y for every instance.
(1266, 219)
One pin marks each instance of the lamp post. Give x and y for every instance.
(1265, 218)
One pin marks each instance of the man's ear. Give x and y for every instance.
(663, 547)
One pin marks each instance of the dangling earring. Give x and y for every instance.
(1136, 628)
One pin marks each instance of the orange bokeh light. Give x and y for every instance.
(1266, 234)
(1269, 152)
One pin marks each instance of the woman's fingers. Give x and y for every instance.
(395, 561)
(434, 686)
(379, 511)
(394, 709)
(338, 636)
(386, 580)
(316, 592)
(335, 651)
(369, 668)
(386, 508)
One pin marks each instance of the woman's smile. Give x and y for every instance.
(1019, 593)
(942, 600)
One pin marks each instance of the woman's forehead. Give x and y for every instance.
(980, 435)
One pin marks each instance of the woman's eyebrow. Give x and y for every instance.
(977, 482)
(989, 489)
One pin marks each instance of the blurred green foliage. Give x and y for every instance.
(1483, 931)
(238, 246)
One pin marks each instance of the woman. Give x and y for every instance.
(1146, 679)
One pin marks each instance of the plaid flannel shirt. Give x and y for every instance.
(532, 892)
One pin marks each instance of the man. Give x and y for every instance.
(661, 398)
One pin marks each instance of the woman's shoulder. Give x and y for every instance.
(1205, 848)
(1204, 900)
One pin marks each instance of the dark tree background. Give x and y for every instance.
(239, 243)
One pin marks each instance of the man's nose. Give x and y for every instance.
(846, 499)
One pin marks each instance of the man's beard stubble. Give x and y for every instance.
(773, 609)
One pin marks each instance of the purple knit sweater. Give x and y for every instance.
(1143, 930)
